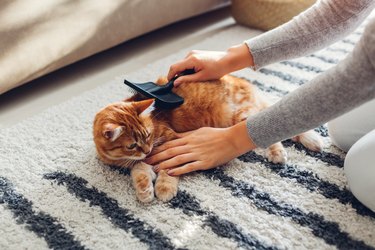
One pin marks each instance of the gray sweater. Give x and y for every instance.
(336, 91)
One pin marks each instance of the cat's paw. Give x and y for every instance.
(165, 191)
(277, 156)
(144, 188)
(166, 186)
(310, 140)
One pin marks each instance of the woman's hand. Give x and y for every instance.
(210, 65)
(201, 149)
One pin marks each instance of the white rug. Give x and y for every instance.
(54, 193)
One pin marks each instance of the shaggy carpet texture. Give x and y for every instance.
(55, 193)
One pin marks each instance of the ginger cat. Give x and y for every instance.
(124, 135)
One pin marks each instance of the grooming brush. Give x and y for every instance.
(163, 95)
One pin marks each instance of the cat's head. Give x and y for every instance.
(122, 133)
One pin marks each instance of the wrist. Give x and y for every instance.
(239, 137)
(238, 57)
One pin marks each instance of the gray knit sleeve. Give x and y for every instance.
(321, 25)
(334, 92)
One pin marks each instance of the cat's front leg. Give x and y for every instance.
(166, 186)
(142, 176)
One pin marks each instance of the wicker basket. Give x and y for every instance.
(267, 14)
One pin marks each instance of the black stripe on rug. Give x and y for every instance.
(268, 89)
(303, 67)
(325, 59)
(120, 217)
(322, 130)
(310, 181)
(42, 224)
(347, 41)
(344, 51)
(326, 230)
(330, 158)
(284, 76)
(223, 228)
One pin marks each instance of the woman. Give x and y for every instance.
(340, 89)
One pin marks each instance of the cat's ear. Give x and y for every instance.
(143, 105)
(112, 131)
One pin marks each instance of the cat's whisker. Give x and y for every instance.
(128, 163)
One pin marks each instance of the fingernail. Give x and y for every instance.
(177, 82)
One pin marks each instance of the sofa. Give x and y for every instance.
(38, 37)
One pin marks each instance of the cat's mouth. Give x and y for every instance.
(138, 158)
(132, 158)
(142, 156)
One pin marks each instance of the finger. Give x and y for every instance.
(167, 154)
(170, 144)
(174, 162)
(189, 78)
(177, 68)
(187, 168)
(184, 134)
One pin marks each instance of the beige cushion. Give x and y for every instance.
(37, 37)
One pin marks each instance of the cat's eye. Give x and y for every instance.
(132, 146)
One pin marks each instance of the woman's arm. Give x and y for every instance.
(319, 26)
(334, 92)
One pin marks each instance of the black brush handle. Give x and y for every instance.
(168, 87)
(184, 73)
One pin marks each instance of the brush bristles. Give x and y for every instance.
(131, 90)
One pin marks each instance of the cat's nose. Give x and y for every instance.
(146, 150)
